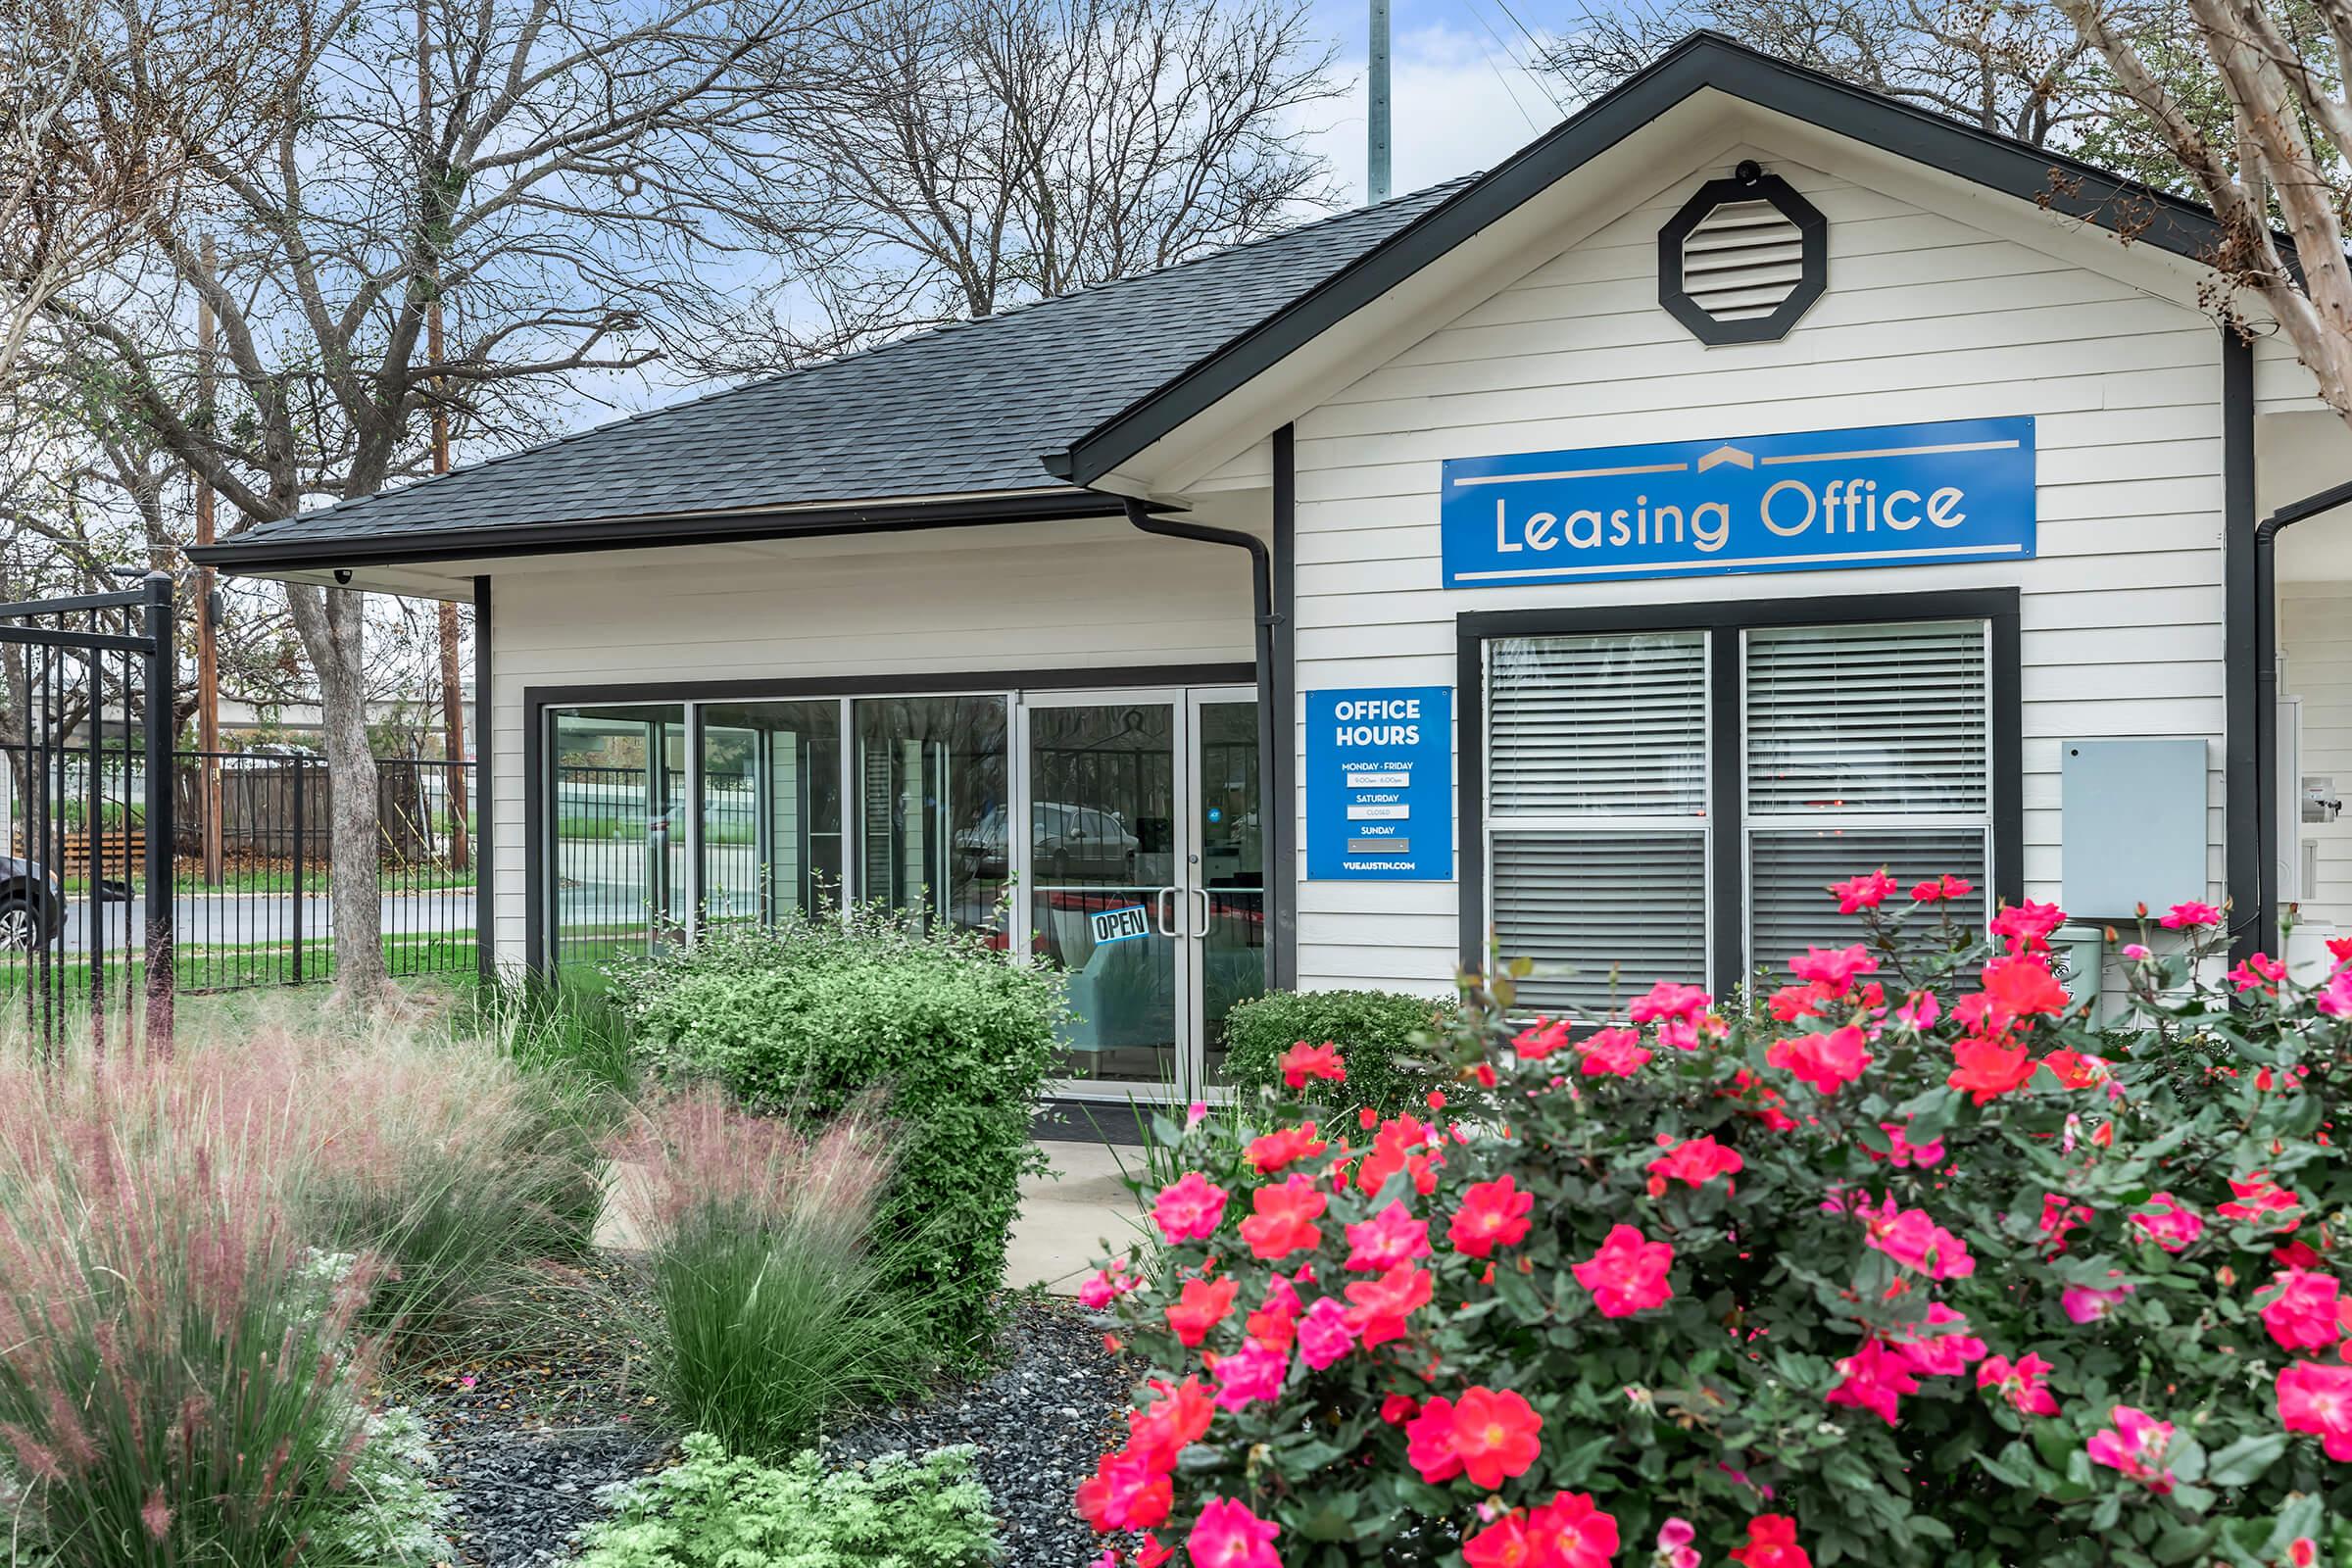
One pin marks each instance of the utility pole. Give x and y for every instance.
(1376, 148)
(453, 693)
(208, 652)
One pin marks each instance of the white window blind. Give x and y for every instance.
(1865, 746)
(1599, 726)
(1596, 812)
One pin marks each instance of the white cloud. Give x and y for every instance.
(1459, 101)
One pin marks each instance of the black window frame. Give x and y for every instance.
(1726, 805)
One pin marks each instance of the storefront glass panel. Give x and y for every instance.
(932, 806)
(1227, 826)
(771, 810)
(617, 876)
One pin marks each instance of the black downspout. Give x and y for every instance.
(1261, 599)
(1282, 782)
(485, 784)
(2244, 722)
(2266, 679)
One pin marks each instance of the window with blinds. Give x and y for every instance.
(1597, 772)
(1855, 746)
(1865, 746)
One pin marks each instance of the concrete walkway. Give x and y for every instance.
(1067, 1218)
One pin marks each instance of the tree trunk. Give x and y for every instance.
(331, 626)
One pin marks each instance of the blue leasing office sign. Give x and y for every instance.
(1380, 784)
(1886, 496)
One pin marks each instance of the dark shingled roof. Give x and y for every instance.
(967, 408)
(953, 426)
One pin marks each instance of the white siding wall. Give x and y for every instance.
(1042, 596)
(2315, 632)
(1925, 319)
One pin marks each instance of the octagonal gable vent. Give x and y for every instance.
(1742, 258)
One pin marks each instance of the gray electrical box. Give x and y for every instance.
(2133, 826)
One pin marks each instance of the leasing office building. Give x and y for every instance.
(1751, 483)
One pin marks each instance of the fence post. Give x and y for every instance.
(159, 681)
(301, 769)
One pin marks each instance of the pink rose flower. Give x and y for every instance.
(2317, 1398)
(2307, 1313)
(2024, 1383)
(1227, 1534)
(2168, 1223)
(1189, 1209)
(1628, 1274)
(2135, 1445)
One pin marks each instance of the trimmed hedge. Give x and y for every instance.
(1376, 1030)
(953, 1042)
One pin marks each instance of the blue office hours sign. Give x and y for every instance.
(1380, 784)
(1896, 495)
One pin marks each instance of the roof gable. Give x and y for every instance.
(1704, 62)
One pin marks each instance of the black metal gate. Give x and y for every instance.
(86, 858)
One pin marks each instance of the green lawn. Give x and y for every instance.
(450, 953)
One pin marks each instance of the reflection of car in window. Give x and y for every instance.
(1066, 842)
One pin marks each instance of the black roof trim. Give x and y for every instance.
(1703, 60)
(630, 533)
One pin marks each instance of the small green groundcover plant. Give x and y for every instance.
(817, 1017)
(1391, 1060)
(714, 1510)
(1907, 1264)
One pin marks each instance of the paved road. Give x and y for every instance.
(245, 919)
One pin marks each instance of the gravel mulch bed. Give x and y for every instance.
(523, 1442)
(1040, 1424)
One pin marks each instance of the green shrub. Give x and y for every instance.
(713, 1511)
(771, 1305)
(815, 1017)
(1377, 1029)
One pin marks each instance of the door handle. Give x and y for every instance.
(1163, 904)
(1206, 913)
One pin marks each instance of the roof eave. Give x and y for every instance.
(262, 555)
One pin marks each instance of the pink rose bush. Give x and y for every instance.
(1899, 1258)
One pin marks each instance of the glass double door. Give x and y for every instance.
(1144, 866)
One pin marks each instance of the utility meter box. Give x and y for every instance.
(2133, 826)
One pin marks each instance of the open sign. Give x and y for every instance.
(1120, 925)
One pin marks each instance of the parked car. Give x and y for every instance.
(32, 908)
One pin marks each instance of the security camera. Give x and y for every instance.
(342, 576)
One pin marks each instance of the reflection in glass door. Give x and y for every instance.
(1102, 854)
(1229, 883)
(1145, 878)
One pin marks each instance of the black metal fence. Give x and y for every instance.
(70, 662)
(252, 893)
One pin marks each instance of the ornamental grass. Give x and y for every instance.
(774, 1303)
(176, 1360)
(206, 1256)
